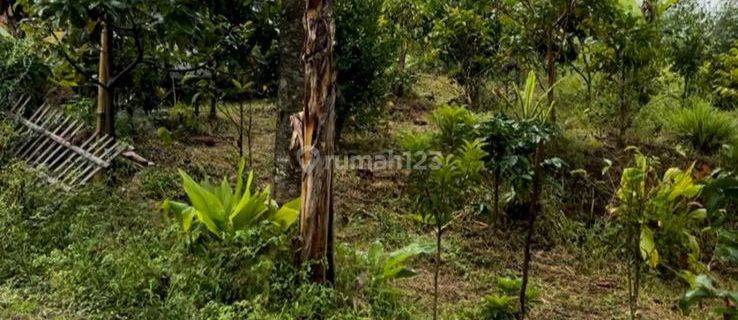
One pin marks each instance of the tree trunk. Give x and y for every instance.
(213, 111)
(535, 204)
(622, 110)
(497, 216)
(251, 136)
(401, 65)
(286, 177)
(535, 209)
(105, 112)
(316, 209)
(240, 133)
(551, 72)
(685, 95)
(439, 236)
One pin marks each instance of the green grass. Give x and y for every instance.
(107, 252)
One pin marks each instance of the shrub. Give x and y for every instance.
(82, 109)
(723, 75)
(730, 155)
(6, 137)
(455, 125)
(702, 127)
(658, 221)
(224, 211)
(467, 40)
(702, 288)
(503, 303)
(21, 71)
(182, 119)
(363, 56)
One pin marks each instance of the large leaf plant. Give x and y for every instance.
(223, 210)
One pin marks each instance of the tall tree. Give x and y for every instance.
(319, 118)
(290, 99)
(467, 38)
(632, 59)
(685, 27)
(100, 26)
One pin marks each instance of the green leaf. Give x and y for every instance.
(648, 248)
(209, 223)
(698, 214)
(239, 179)
(248, 211)
(288, 214)
(204, 201)
(727, 247)
(174, 206)
(530, 89)
(375, 255)
(395, 266)
(187, 217)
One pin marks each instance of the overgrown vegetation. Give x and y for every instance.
(538, 159)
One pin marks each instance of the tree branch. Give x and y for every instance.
(139, 56)
(74, 64)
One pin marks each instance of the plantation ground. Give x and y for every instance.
(576, 280)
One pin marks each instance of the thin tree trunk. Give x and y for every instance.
(104, 98)
(319, 118)
(685, 95)
(538, 176)
(174, 88)
(623, 110)
(251, 136)
(286, 176)
(401, 65)
(439, 235)
(497, 216)
(633, 276)
(213, 111)
(535, 208)
(551, 72)
(240, 132)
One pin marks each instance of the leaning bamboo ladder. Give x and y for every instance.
(47, 144)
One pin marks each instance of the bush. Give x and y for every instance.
(21, 71)
(702, 127)
(6, 136)
(503, 303)
(82, 109)
(455, 125)
(730, 155)
(181, 120)
(467, 41)
(95, 255)
(363, 56)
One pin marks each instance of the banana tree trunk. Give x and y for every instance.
(319, 118)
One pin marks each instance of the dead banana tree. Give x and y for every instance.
(318, 131)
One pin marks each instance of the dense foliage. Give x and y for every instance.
(504, 159)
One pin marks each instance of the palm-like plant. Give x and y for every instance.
(387, 266)
(223, 210)
(528, 105)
